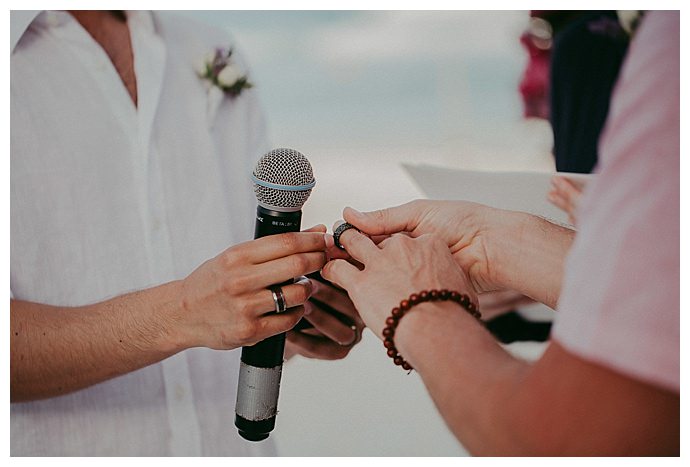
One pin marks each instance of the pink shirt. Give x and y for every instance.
(619, 306)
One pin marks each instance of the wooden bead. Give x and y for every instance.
(414, 299)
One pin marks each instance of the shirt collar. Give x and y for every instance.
(20, 20)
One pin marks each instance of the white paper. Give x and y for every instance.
(519, 191)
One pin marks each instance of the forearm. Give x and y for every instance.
(57, 350)
(530, 255)
(496, 404)
(469, 376)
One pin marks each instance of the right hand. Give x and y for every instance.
(472, 231)
(499, 302)
(226, 303)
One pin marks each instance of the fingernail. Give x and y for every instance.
(350, 341)
(353, 211)
(328, 239)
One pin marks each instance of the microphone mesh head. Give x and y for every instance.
(286, 167)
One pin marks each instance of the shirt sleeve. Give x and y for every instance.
(619, 305)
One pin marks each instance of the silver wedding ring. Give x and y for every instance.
(278, 298)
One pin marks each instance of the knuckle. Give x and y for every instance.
(300, 263)
(290, 241)
(233, 256)
(236, 285)
(380, 216)
(247, 330)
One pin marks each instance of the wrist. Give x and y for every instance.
(424, 326)
(169, 311)
(497, 232)
(506, 243)
(416, 301)
(530, 256)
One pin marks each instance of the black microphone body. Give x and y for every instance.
(262, 363)
(283, 180)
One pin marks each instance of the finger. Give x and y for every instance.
(317, 228)
(330, 326)
(335, 298)
(271, 247)
(294, 294)
(568, 189)
(377, 239)
(270, 325)
(558, 201)
(280, 270)
(359, 246)
(332, 251)
(341, 273)
(495, 303)
(317, 347)
(401, 218)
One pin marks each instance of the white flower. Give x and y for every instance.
(228, 76)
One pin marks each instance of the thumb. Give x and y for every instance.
(388, 221)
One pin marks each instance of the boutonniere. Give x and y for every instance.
(219, 70)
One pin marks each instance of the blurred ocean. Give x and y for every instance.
(360, 92)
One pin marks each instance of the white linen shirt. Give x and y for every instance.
(108, 198)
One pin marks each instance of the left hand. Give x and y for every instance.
(565, 194)
(395, 268)
(337, 327)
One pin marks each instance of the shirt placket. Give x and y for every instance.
(149, 62)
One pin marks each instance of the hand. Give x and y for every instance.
(474, 233)
(493, 304)
(565, 194)
(395, 268)
(337, 326)
(226, 302)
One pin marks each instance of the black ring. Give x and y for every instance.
(339, 231)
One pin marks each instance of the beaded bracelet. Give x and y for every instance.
(415, 299)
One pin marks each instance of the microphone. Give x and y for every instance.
(283, 180)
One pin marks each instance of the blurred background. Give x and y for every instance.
(359, 93)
